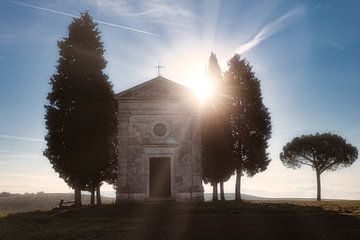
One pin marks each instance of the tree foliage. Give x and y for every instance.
(216, 132)
(81, 114)
(214, 70)
(250, 120)
(321, 152)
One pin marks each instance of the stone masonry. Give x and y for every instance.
(159, 118)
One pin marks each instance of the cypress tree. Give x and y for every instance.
(216, 134)
(250, 121)
(81, 115)
(214, 70)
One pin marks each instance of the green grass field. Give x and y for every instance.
(154, 220)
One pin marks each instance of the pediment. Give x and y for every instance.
(157, 88)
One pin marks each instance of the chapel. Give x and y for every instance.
(159, 142)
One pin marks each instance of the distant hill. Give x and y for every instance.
(11, 203)
(231, 196)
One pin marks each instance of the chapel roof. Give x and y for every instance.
(158, 87)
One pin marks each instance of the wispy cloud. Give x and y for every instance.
(11, 152)
(162, 12)
(334, 44)
(159, 8)
(72, 15)
(11, 155)
(269, 30)
(26, 176)
(21, 138)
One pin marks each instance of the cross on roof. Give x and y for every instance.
(158, 68)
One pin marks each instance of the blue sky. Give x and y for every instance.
(306, 54)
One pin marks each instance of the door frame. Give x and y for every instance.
(172, 171)
(152, 158)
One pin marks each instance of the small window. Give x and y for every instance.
(159, 129)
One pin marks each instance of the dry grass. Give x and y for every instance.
(230, 220)
(341, 206)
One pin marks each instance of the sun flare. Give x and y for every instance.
(203, 88)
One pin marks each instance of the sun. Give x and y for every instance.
(203, 88)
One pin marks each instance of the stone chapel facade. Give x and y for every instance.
(159, 142)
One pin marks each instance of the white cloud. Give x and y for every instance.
(162, 12)
(154, 8)
(269, 30)
(21, 138)
(72, 15)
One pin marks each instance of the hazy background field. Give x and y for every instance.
(14, 203)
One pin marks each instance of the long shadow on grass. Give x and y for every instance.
(271, 221)
(230, 220)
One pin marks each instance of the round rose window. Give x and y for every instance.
(159, 129)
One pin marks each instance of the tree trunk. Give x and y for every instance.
(117, 199)
(222, 195)
(77, 195)
(98, 196)
(238, 185)
(215, 192)
(318, 197)
(92, 198)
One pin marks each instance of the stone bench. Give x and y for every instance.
(63, 204)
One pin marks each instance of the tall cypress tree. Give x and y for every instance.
(216, 130)
(214, 70)
(81, 115)
(250, 121)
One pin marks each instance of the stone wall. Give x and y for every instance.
(138, 142)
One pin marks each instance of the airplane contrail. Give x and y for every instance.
(22, 138)
(268, 30)
(72, 15)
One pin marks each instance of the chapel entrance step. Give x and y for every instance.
(156, 200)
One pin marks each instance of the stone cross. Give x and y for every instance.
(158, 68)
